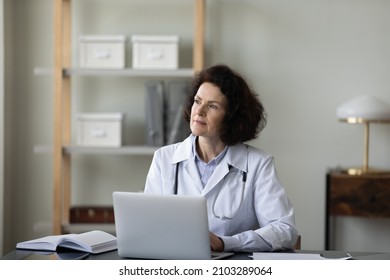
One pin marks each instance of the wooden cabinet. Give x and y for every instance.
(366, 195)
(63, 72)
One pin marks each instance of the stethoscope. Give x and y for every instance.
(222, 217)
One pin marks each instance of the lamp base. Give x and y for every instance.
(361, 171)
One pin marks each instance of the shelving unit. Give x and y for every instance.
(62, 74)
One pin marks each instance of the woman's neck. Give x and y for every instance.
(208, 149)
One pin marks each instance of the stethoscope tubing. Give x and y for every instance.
(222, 217)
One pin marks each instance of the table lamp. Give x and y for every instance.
(364, 110)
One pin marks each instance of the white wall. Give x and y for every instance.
(1, 124)
(305, 58)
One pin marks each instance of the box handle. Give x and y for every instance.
(98, 132)
(155, 54)
(102, 53)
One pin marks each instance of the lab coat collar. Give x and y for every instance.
(236, 156)
(183, 151)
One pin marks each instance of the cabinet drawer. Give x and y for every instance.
(365, 195)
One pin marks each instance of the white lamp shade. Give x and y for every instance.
(367, 108)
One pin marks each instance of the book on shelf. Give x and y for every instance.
(94, 242)
(164, 104)
(176, 128)
(154, 110)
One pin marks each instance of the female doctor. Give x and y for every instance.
(248, 209)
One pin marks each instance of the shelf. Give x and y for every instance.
(127, 72)
(124, 150)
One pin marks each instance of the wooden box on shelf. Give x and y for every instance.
(92, 215)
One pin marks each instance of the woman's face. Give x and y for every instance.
(208, 111)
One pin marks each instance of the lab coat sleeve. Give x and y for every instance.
(161, 175)
(274, 212)
(158, 175)
(154, 175)
(248, 241)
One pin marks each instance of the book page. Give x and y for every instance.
(48, 243)
(95, 241)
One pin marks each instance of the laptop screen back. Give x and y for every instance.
(151, 226)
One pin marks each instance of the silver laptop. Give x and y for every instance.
(151, 226)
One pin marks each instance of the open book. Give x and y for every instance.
(93, 242)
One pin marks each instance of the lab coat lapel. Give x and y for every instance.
(219, 173)
(188, 170)
(191, 174)
(237, 157)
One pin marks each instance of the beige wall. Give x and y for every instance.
(1, 124)
(304, 57)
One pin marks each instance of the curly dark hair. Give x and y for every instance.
(245, 117)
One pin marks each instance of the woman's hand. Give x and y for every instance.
(216, 243)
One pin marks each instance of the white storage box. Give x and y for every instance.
(155, 52)
(104, 52)
(99, 129)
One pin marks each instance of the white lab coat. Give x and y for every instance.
(263, 210)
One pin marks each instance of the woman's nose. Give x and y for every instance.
(201, 110)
